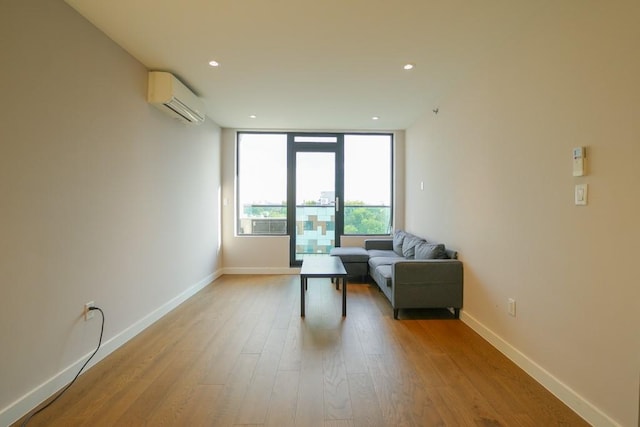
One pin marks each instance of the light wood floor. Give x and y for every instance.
(238, 353)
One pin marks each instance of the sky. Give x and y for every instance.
(263, 170)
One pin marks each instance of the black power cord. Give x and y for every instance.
(35, 412)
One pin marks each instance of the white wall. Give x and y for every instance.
(103, 198)
(270, 254)
(497, 167)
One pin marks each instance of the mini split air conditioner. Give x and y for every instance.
(168, 94)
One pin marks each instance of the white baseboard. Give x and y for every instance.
(33, 398)
(566, 394)
(261, 270)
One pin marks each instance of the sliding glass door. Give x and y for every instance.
(313, 178)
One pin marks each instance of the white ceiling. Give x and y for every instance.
(303, 64)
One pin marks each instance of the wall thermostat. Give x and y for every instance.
(579, 161)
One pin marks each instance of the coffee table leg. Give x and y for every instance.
(344, 297)
(302, 286)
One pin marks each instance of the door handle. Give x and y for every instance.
(337, 204)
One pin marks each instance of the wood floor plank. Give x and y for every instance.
(352, 351)
(370, 339)
(174, 408)
(469, 402)
(230, 400)
(338, 423)
(291, 359)
(364, 401)
(200, 408)
(119, 403)
(284, 399)
(337, 400)
(227, 346)
(417, 353)
(238, 353)
(258, 397)
(395, 395)
(155, 394)
(310, 404)
(289, 301)
(265, 309)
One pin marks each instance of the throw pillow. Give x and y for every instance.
(424, 250)
(409, 245)
(398, 237)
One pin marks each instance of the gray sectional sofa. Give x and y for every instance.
(410, 271)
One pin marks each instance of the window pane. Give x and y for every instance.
(321, 139)
(315, 203)
(367, 206)
(262, 183)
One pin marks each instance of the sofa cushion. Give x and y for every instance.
(398, 238)
(351, 254)
(424, 250)
(378, 261)
(409, 245)
(383, 273)
(382, 253)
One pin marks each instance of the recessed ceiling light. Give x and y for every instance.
(214, 63)
(253, 116)
(408, 66)
(375, 118)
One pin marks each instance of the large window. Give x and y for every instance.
(262, 183)
(355, 190)
(367, 184)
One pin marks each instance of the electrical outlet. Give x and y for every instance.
(88, 314)
(511, 307)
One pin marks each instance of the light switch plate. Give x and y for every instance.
(581, 194)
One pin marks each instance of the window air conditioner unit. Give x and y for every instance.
(168, 94)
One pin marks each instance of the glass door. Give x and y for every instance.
(313, 188)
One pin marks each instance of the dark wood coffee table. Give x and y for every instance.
(323, 266)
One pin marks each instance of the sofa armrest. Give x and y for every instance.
(383, 244)
(428, 271)
(427, 283)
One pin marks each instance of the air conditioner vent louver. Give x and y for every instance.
(184, 111)
(168, 94)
